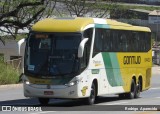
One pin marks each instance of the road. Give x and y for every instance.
(13, 96)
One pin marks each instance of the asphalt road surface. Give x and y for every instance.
(13, 96)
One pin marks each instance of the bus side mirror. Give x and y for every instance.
(20, 42)
(81, 47)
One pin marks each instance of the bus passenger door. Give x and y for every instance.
(98, 72)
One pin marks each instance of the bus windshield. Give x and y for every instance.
(52, 54)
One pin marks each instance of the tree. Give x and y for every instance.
(18, 14)
(80, 8)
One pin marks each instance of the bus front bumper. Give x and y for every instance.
(54, 91)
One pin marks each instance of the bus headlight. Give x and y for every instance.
(72, 83)
(25, 80)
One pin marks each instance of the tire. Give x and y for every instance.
(138, 90)
(92, 97)
(43, 101)
(131, 94)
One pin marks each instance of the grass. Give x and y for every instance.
(121, 6)
(126, 7)
(8, 75)
(149, 8)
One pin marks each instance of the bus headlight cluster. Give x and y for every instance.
(72, 83)
(25, 79)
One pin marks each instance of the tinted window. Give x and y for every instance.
(121, 41)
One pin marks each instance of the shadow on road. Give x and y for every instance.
(19, 102)
(57, 102)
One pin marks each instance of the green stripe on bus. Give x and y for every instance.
(116, 69)
(108, 69)
(101, 26)
(112, 69)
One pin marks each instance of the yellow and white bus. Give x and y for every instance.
(86, 57)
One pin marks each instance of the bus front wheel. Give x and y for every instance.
(43, 101)
(91, 98)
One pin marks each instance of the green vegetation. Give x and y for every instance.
(122, 10)
(8, 75)
(121, 6)
(15, 37)
(20, 36)
(149, 8)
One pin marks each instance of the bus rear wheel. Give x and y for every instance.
(43, 101)
(92, 97)
(131, 94)
(138, 89)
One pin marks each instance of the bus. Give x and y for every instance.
(72, 58)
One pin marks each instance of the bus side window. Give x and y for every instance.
(147, 41)
(85, 59)
(115, 41)
(98, 41)
(132, 41)
(124, 43)
(137, 40)
(106, 41)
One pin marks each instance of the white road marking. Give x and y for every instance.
(119, 103)
(43, 112)
(158, 97)
(154, 88)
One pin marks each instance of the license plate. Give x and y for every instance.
(48, 92)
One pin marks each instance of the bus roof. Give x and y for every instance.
(78, 24)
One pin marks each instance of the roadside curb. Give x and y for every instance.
(11, 86)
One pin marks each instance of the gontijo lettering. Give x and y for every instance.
(132, 60)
